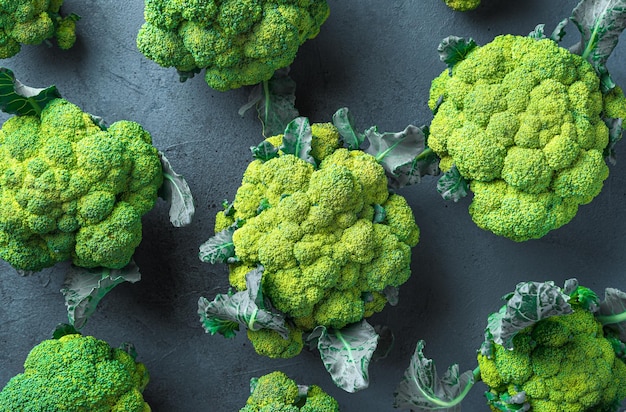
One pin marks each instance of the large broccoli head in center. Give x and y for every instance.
(71, 190)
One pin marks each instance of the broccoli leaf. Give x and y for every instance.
(347, 353)
(453, 49)
(615, 135)
(612, 311)
(84, 288)
(507, 403)
(452, 186)
(402, 155)
(530, 303)
(226, 312)
(600, 23)
(380, 214)
(175, 190)
(275, 101)
(297, 139)
(220, 248)
(63, 329)
(557, 34)
(343, 121)
(422, 390)
(264, 151)
(129, 348)
(16, 98)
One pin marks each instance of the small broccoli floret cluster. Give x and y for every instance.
(331, 238)
(276, 392)
(237, 42)
(71, 190)
(562, 364)
(33, 22)
(520, 119)
(462, 5)
(77, 373)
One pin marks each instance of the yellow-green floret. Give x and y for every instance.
(562, 363)
(77, 373)
(70, 190)
(276, 392)
(462, 5)
(33, 22)
(521, 120)
(326, 260)
(238, 42)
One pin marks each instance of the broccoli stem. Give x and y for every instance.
(611, 319)
(252, 320)
(427, 152)
(591, 45)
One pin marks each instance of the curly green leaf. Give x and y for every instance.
(454, 49)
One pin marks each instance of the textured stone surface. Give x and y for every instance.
(376, 57)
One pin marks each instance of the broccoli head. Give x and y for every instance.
(276, 392)
(462, 5)
(562, 364)
(70, 189)
(77, 373)
(237, 42)
(520, 118)
(331, 238)
(33, 22)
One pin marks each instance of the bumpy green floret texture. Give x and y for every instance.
(238, 42)
(77, 373)
(326, 262)
(33, 22)
(521, 120)
(70, 190)
(563, 363)
(276, 392)
(462, 5)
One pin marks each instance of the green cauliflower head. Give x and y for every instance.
(71, 190)
(33, 22)
(276, 392)
(77, 373)
(327, 260)
(238, 42)
(562, 363)
(521, 120)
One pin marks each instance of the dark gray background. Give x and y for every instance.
(375, 56)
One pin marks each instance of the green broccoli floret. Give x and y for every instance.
(462, 5)
(237, 42)
(565, 364)
(520, 118)
(326, 260)
(71, 190)
(77, 373)
(33, 22)
(276, 392)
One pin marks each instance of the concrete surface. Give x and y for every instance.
(376, 57)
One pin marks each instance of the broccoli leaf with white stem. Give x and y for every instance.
(176, 192)
(600, 23)
(226, 312)
(16, 98)
(422, 390)
(83, 288)
(297, 139)
(343, 121)
(347, 353)
(275, 101)
(220, 248)
(454, 49)
(530, 303)
(612, 312)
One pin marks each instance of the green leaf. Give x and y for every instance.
(129, 348)
(401, 154)
(452, 186)
(16, 98)
(557, 34)
(615, 135)
(506, 403)
(347, 353)
(264, 151)
(176, 192)
(453, 49)
(84, 288)
(275, 101)
(600, 23)
(612, 311)
(297, 139)
(422, 389)
(530, 303)
(63, 329)
(380, 214)
(248, 308)
(343, 121)
(220, 248)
